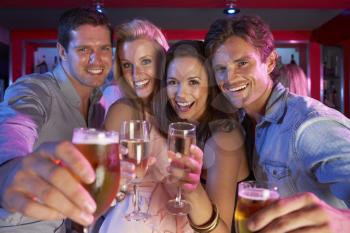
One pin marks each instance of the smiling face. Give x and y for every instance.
(138, 61)
(241, 75)
(88, 59)
(187, 87)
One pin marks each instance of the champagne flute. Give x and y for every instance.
(181, 135)
(252, 196)
(134, 148)
(101, 149)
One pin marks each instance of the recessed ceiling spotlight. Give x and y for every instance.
(98, 4)
(231, 8)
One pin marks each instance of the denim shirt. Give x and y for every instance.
(303, 146)
(40, 108)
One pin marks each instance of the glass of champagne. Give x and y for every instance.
(252, 196)
(181, 135)
(101, 149)
(134, 148)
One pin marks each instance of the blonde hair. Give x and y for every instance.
(133, 30)
(137, 29)
(293, 77)
(140, 28)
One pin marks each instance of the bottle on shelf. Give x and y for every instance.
(292, 60)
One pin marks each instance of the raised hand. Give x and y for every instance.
(301, 213)
(187, 169)
(47, 184)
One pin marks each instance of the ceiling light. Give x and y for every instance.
(98, 4)
(231, 8)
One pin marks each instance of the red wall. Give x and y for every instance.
(26, 41)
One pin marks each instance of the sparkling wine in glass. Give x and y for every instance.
(134, 148)
(181, 135)
(101, 149)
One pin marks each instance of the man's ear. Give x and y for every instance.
(271, 61)
(61, 52)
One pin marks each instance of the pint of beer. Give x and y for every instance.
(252, 196)
(101, 149)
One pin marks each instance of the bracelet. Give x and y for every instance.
(210, 225)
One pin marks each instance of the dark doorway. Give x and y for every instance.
(4, 68)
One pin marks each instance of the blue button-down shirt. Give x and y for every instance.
(303, 146)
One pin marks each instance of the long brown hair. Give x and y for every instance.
(250, 28)
(217, 107)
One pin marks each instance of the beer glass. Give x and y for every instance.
(101, 149)
(181, 135)
(134, 148)
(252, 196)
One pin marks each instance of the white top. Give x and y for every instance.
(153, 197)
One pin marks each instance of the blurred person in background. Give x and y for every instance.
(293, 77)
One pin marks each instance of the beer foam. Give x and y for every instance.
(95, 137)
(258, 194)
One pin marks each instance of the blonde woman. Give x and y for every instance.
(141, 48)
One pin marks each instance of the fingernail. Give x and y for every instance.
(90, 206)
(86, 218)
(178, 155)
(124, 188)
(90, 177)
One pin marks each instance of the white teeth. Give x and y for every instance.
(141, 83)
(95, 71)
(184, 104)
(238, 88)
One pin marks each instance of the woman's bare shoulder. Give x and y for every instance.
(120, 111)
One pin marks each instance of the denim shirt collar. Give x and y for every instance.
(276, 105)
(275, 108)
(69, 91)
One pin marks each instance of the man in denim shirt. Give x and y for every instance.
(39, 181)
(301, 145)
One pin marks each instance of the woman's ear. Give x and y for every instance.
(61, 52)
(271, 61)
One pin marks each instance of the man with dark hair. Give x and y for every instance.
(41, 180)
(301, 145)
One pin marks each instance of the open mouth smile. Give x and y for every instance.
(184, 106)
(142, 83)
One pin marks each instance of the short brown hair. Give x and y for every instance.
(250, 28)
(76, 17)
